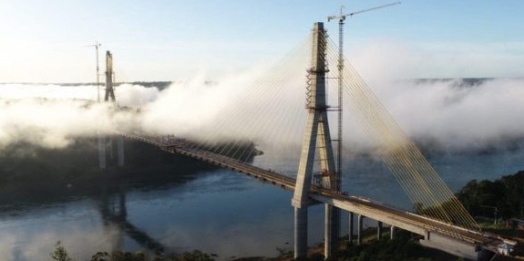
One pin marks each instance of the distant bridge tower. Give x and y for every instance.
(110, 93)
(317, 138)
(110, 96)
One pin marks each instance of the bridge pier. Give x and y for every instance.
(120, 148)
(379, 230)
(102, 158)
(391, 232)
(351, 227)
(105, 148)
(105, 143)
(328, 230)
(360, 224)
(300, 235)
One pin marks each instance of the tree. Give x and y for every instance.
(504, 196)
(196, 255)
(101, 256)
(60, 254)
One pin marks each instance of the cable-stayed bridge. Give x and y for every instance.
(441, 220)
(428, 228)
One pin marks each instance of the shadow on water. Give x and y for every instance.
(33, 178)
(159, 202)
(113, 210)
(32, 175)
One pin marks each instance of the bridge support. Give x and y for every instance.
(351, 227)
(379, 230)
(317, 137)
(110, 94)
(301, 227)
(102, 156)
(328, 230)
(391, 232)
(105, 145)
(360, 224)
(453, 246)
(120, 148)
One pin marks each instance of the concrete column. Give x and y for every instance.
(427, 235)
(122, 205)
(379, 230)
(120, 147)
(360, 222)
(102, 151)
(328, 236)
(351, 226)
(391, 232)
(109, 146)
(300, 246)
(336, 216)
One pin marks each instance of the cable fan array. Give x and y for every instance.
(268, 117)
(265, 119)
(427, 191)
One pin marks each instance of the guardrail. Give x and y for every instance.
(184, 147)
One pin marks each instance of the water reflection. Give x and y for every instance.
(171, 210)
(218, 212)
(114, 214)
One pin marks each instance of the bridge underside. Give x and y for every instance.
(456, 247)
(444, 237)
(436, 234)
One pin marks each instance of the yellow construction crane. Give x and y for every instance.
(341, 17)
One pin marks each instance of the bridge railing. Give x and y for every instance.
(176, 145)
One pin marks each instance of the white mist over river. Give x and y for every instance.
(452, 114)
(469, 131)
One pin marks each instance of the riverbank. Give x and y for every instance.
(402, 248)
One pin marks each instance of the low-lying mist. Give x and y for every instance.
(459, 114)
(446, 114)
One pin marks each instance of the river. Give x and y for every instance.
(217, 211)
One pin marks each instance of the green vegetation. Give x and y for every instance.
(403, 247)
(396, 249)
(501, 198)
(31, 175)
(60, 254)
(24, 163)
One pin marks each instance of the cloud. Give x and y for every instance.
(391, 59)
(49, 123)
(266, 105)
(459, 117)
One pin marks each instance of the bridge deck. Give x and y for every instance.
(399, 218)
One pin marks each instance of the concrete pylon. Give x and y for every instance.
(120, 148)
(351, 227)
(379, 230)
(110, 93)
(360, 227)
(317, 138)
(102, 154)
(105, 145)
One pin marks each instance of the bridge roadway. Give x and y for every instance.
(414, 223)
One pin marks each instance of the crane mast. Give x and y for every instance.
(341, 17)
(340, 66)
(96, 45)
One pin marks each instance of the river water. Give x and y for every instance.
(217, 211)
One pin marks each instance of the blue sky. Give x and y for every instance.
(44, 41)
